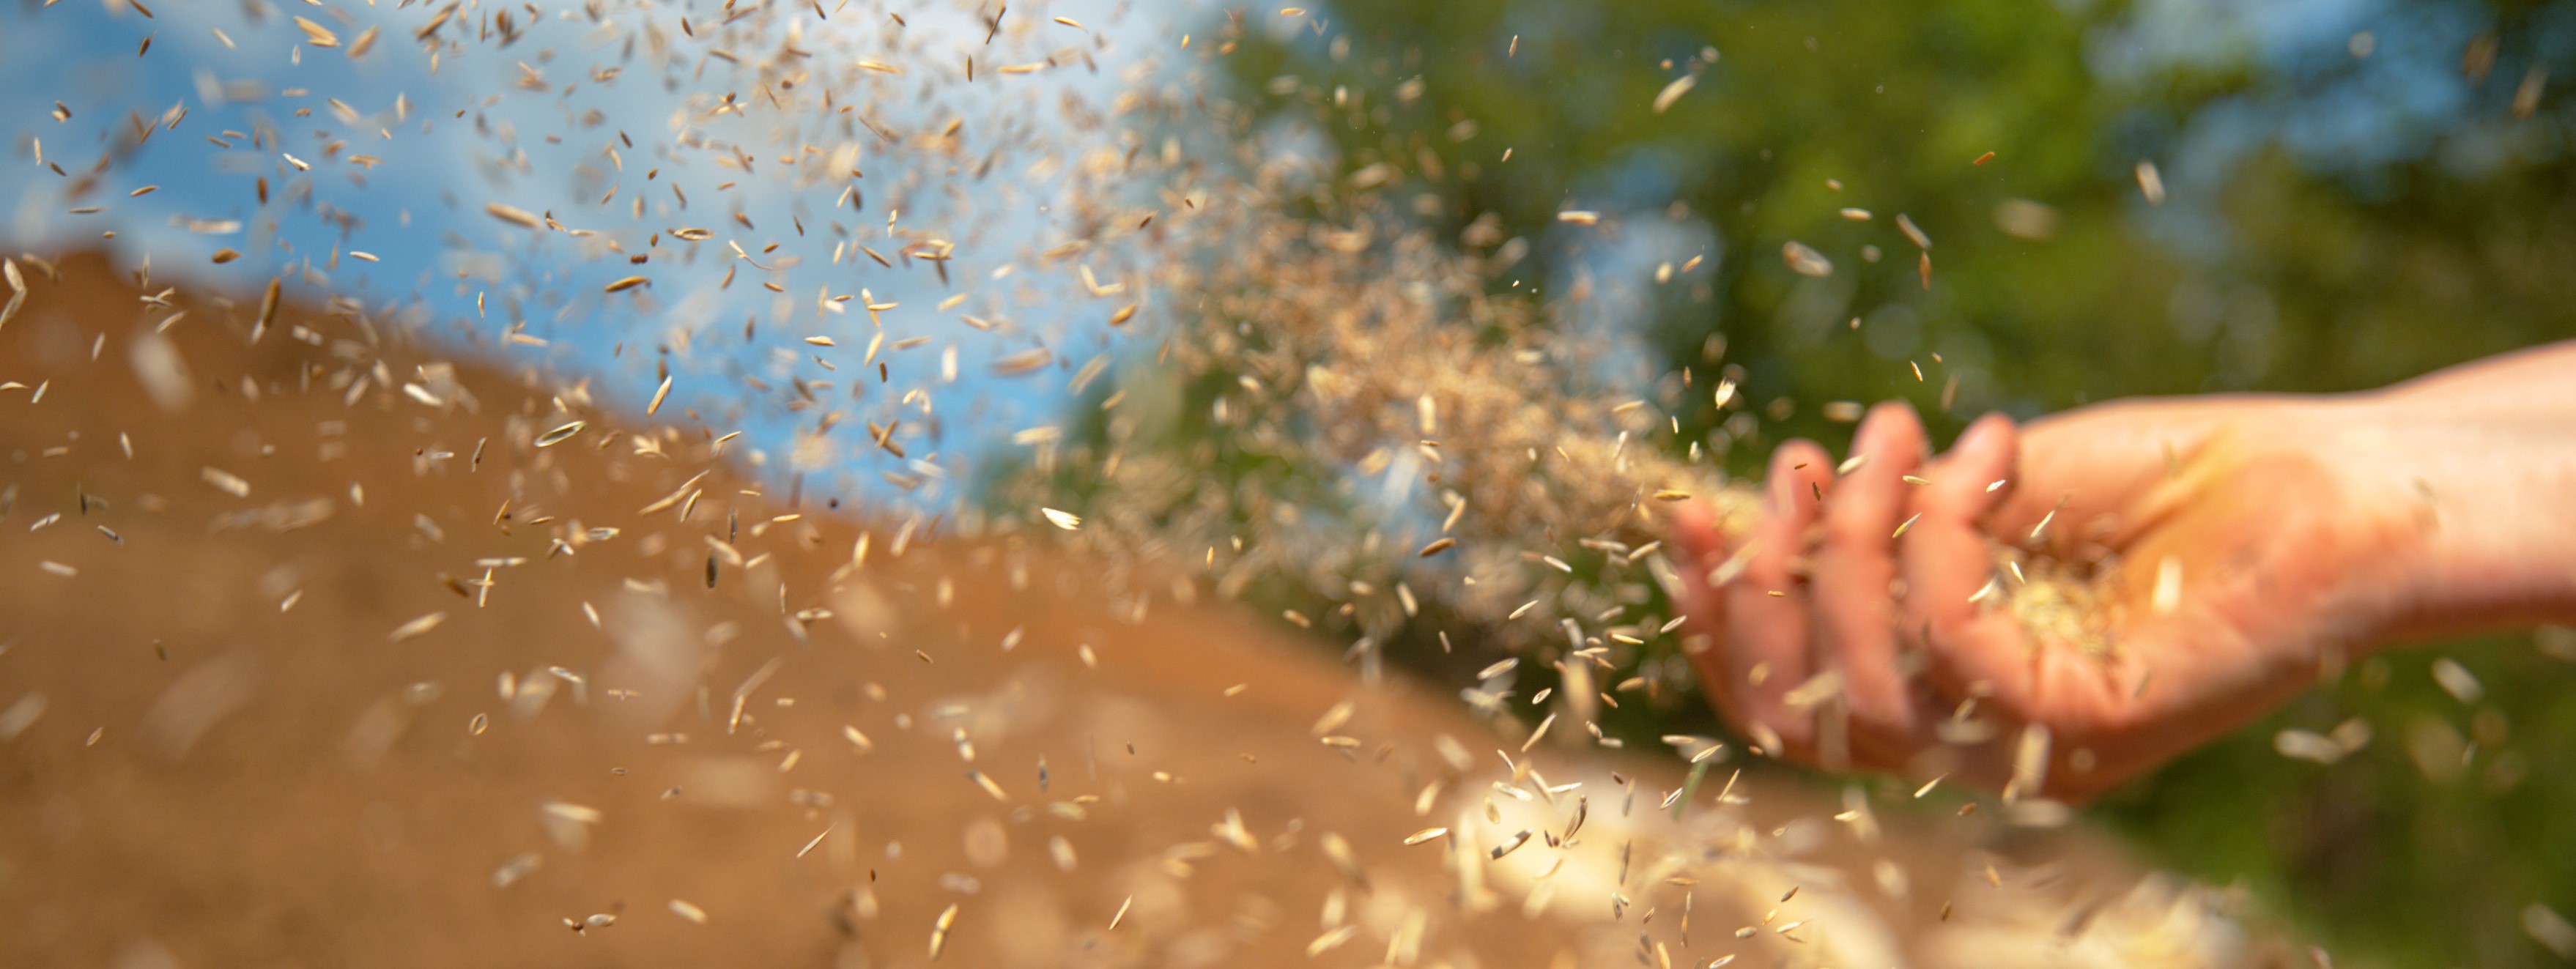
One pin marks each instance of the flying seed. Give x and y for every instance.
(659, 393)
(1673, 92)
(417, 627)
(1913, 233)
(2168, 590)
(939, 931)
(1805, 261)
(560, 434)
(818, 839)
(513, 215)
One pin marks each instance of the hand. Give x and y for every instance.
(2224, 550)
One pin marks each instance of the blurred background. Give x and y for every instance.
(2344, 193)
(2111, 199)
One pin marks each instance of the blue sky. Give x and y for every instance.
(391, 169)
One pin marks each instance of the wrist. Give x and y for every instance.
(2475, 501)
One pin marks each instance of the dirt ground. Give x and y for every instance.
(230, 734)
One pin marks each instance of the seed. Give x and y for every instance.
(2457, 681)
(939, 930)
(1913, 233)
(512, 214)
(316, 34)
(1805, 261)
(1023, 362)
(225, 481)
(560, 434)
(2168, 590)
(417, 627)
(1673, 92)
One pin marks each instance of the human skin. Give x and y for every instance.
(2289, 535)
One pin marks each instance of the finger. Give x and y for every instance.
(1854, 612)
(1702, 546)
(1945, 561)
(1947, 566)
(1767, 603)
(1713, 561)
(1767, 632)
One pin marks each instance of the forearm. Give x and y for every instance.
(2483, 457)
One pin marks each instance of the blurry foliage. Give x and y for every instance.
(2420, 850)
(2276, 265)
(2344, 211)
